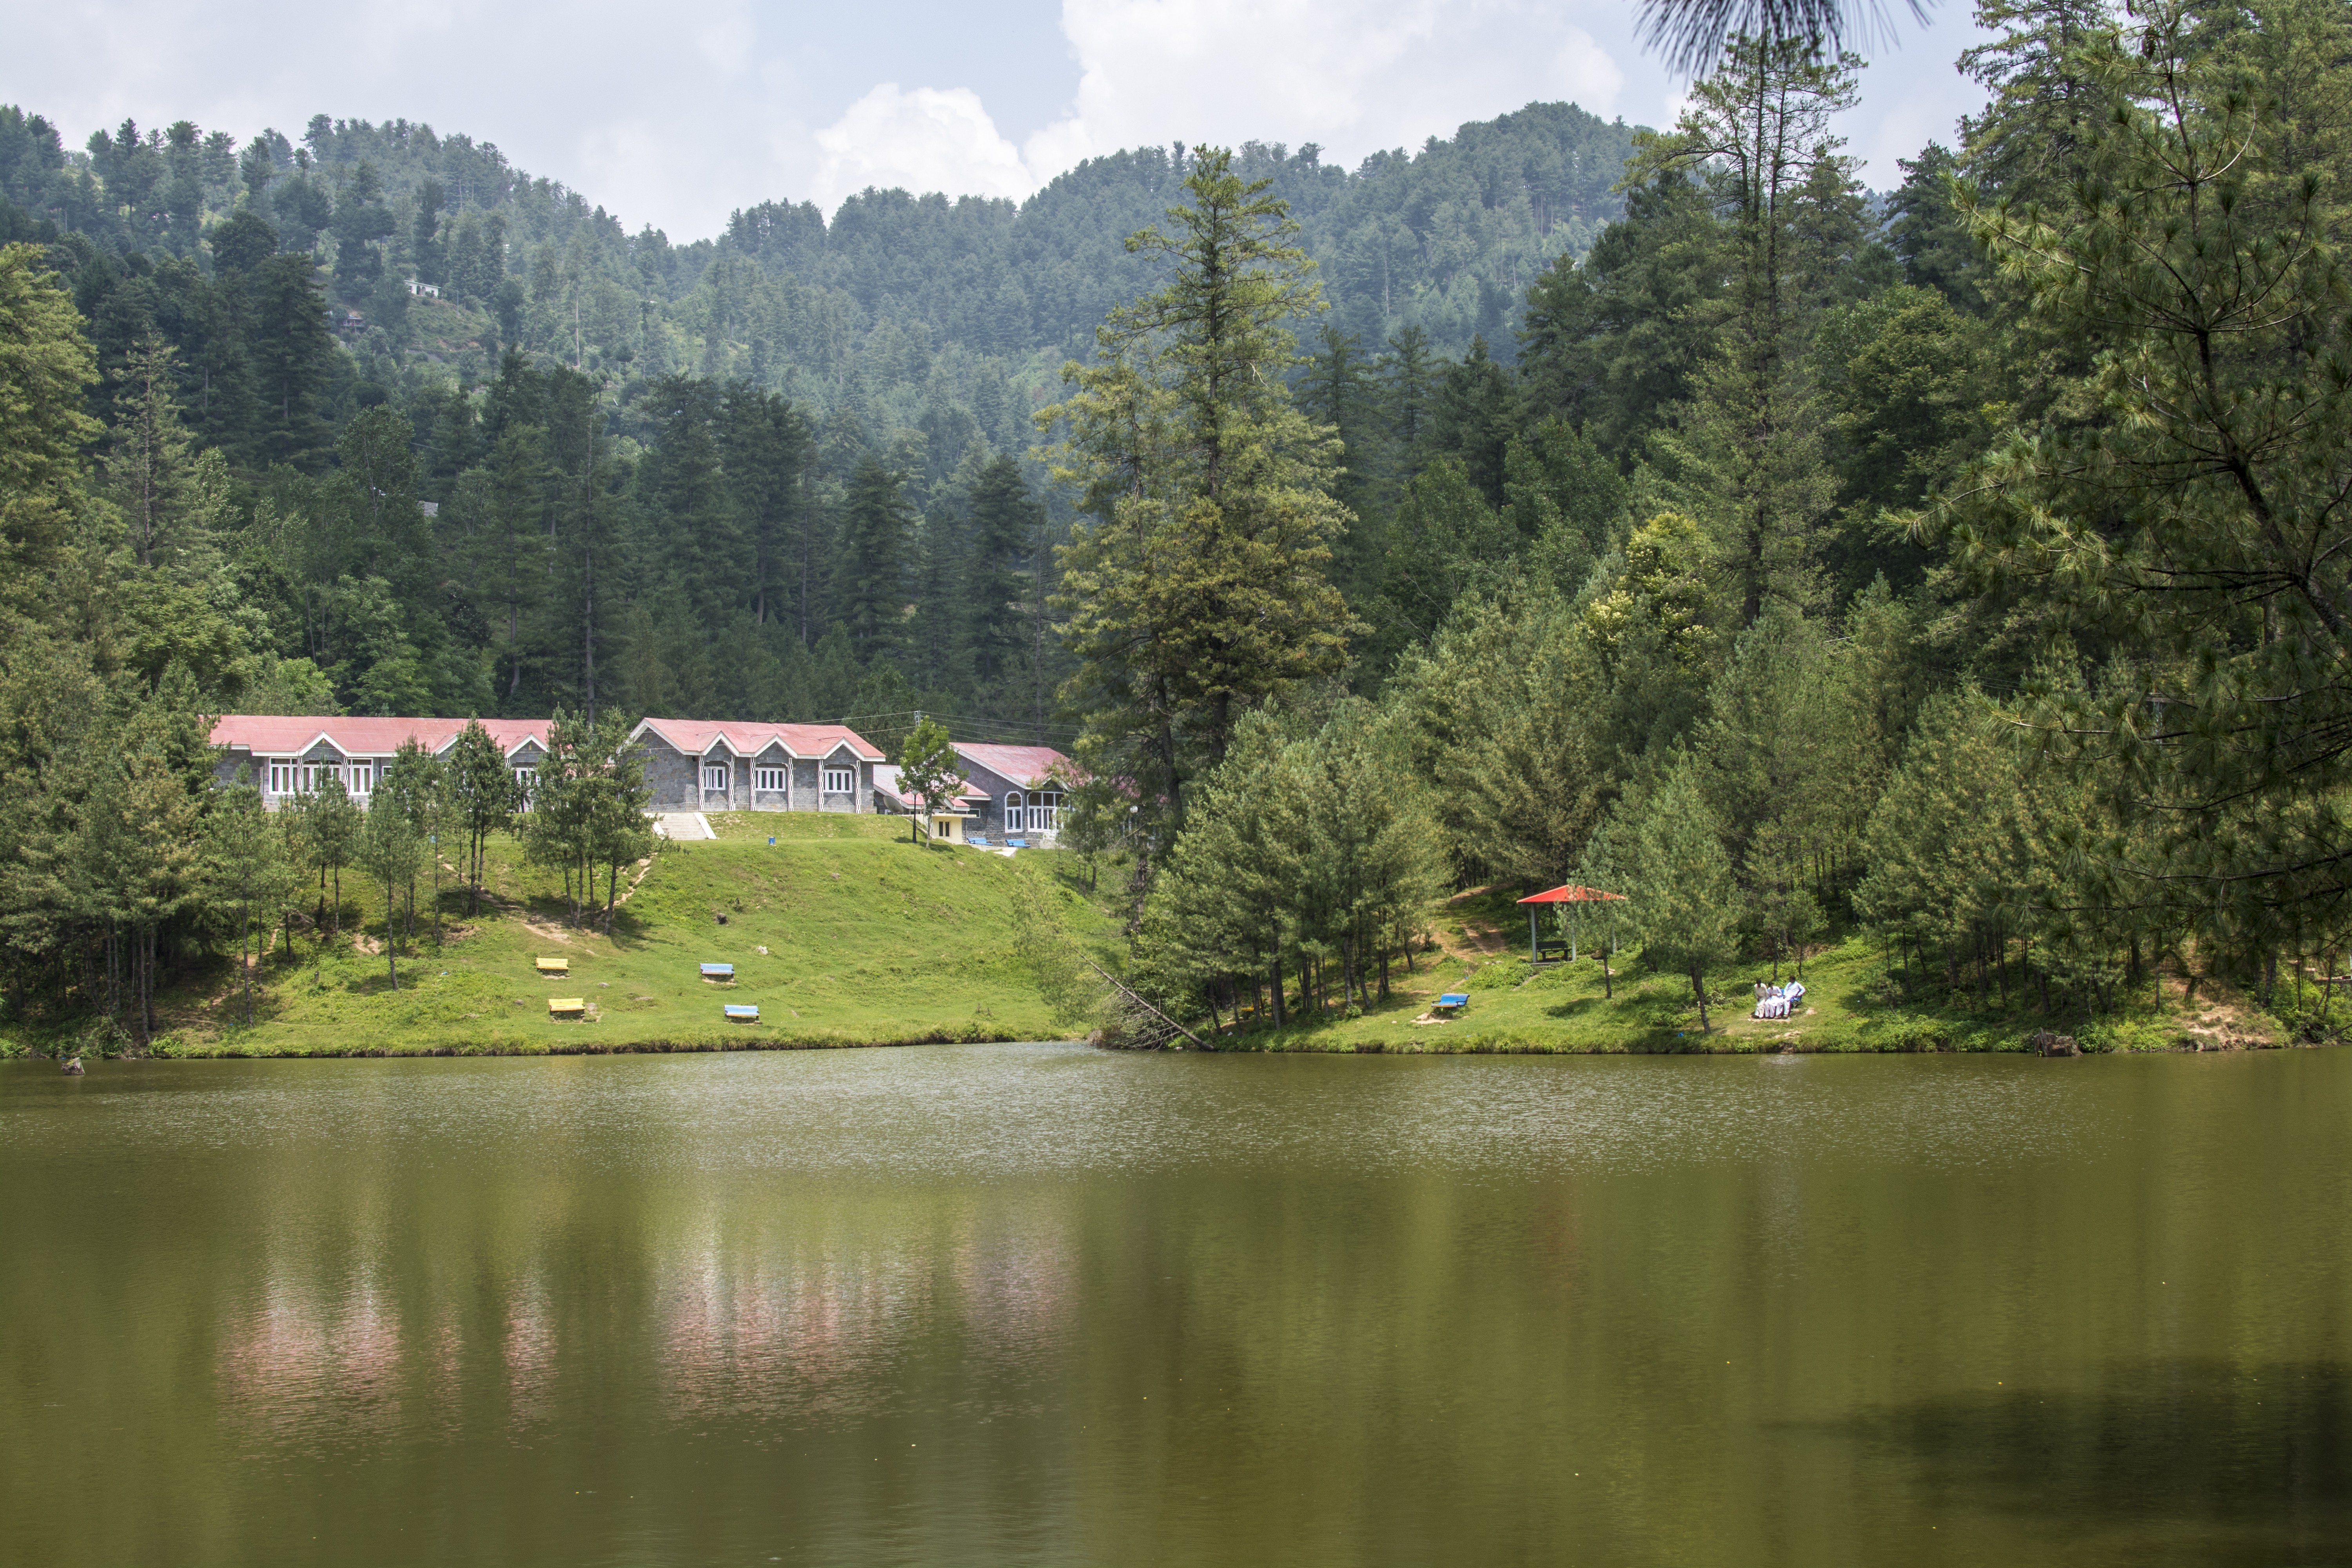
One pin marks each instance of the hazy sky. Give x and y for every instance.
(677, 114)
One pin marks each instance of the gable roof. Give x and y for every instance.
(273, 735)
(698, 737)
(886, 783)
(1025, 766)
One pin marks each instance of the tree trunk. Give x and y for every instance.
(1698, 989)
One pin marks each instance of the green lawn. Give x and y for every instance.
(868, 939)
(1515, 1006)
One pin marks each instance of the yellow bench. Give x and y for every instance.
(566, 1007)
(553, 965)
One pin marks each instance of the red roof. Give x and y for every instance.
(267, 735)
(885, 782)
(1025, 766)
(697, 737)
(1571, 894)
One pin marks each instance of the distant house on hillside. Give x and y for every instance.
(962, 808)
(292, 757)
(418, 289)
(697, 764)
(1019, 790)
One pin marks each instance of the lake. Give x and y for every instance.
(1037, 1304)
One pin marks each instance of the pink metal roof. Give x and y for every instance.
(696, 737)
(1025, 766)
(885, 782)
(265, 736)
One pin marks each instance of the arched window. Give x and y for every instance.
(1012, 813)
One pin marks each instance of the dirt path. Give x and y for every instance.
(1479, 940)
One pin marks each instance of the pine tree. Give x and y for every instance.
(148, 461)
(1684, 896)
(45, 361)
(877, 526)
(1197, 588)
(1749, 455)
(997, 576)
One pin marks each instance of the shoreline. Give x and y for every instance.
(1475, 1045)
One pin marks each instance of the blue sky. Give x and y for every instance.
(678, 115)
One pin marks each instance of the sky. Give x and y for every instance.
(679, 118)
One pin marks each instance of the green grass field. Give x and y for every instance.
(1516, 1007)
(841, 933)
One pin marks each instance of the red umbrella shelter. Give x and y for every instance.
(1571, 894)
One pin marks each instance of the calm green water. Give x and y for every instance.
(1034, 1304)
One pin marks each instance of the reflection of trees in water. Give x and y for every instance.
(2197, 1461)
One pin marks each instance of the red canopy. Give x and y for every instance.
(1571, 894)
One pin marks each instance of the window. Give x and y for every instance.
(284, 778)
(771, 780)
(1044, 810)
(840, 781)
(524, 779)
(714, 776)
(361, 779)
(1012, 815)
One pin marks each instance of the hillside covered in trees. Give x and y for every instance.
(557, 359)
(1959, 572)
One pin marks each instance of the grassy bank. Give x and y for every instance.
(1518, 1008)
(842, 933)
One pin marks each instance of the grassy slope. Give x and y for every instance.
(1562, 1007)
(869, 940)
(872, 940)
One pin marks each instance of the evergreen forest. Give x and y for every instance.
(1962, 568)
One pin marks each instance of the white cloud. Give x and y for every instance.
(1354, 77)
(927, 139)
(677, 121)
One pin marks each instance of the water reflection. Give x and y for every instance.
(1038, 1305)
(2240, 1462)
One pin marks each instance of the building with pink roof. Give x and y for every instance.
(288, 756)
(1021, 789)
(702, 765)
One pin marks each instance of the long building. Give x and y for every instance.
(285, 757)
(702, 765)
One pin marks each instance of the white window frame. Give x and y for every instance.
(285, 776)
(1046, 810)
(526, 780)
(721, 771)
(1014, 813)
(840, 780)
(771, 780)
(358, 779)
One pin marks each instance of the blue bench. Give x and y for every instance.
(978, 841)
(1454, 1001)
(1016, 843)
(737, 1014)
(719, 972)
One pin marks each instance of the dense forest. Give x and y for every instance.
(643, 458)
(1658, 510)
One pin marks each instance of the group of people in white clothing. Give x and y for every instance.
(1778, 1001)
